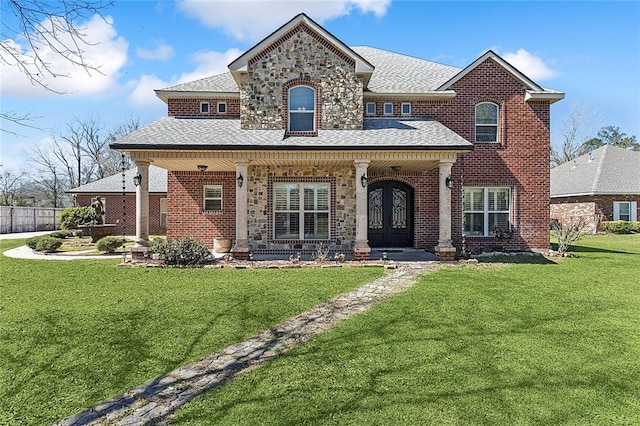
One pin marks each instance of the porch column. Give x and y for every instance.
(241, 248)
(445, 250)
(142, 207)
(361, 250)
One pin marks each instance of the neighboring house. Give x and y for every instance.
(308, 142)
(601, 185)
(121, 209)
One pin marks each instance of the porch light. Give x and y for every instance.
(240, 180)
(364, 180)
(202, 167)
(137, 179)
(396, 169)
(449, 182)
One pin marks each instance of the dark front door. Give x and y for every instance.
(390, 214)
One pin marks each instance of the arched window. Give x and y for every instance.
(487, 122)
(302, 109)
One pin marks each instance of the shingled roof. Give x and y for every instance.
(113, 184)
(608, 170)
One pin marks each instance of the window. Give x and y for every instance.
(213, 198)
(486, 209)
(625, 210)
(301, 211)
(222, 107)
(406, 108)
(371, 108)
(388, 109)
(302, 101)
(204, 107)
(163, 212)
(486, 122)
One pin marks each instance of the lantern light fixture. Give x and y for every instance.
(202, 167)
(137, 179)
(364, 180)
(240, 180)
(449, 182)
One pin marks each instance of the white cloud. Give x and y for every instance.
(254, 20)
(531, 65)
(162, 52)
(107, 52)
(208, 63)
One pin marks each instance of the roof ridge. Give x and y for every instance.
(596, 179)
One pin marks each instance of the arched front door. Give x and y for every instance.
(390, 214)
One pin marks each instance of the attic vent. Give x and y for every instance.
(575, 164)
(590, 157)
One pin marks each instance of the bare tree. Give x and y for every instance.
(569, 231)
(11, 191)
(575, 131)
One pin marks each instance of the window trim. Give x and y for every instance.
(204, 198)
(301, 210)
(497, 125)
(487, 232)
(384, 110)
(402, 108)
(208, 108)
(374, 108)
(633, 207)
(218, 108)
(163, 212)
(314, 112)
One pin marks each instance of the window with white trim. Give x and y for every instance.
(625, 210)
(222, 107)
(487, 122)
(371, 108)
(204, 107)
(486, 211)
(212, 201)
(163, 212)
(301, 211)
(388, 109)
(302, 109)
(406, 108)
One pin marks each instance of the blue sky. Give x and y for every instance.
(589, 50)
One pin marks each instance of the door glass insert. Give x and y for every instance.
(399, 209)
(375, 209)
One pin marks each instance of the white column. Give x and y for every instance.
(241, 248)
(361, 249)
(142, 205)
(444, 246)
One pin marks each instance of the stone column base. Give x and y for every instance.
(140, 253)
(447, 254)
(241, 253)
(361, 253)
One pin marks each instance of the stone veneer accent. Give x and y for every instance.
(302, 55)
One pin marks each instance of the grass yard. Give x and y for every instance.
(73, 334)
(554, 343)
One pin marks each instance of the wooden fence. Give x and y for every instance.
(28, 219)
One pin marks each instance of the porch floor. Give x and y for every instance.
(396, 254)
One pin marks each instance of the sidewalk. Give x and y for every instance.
(24, 252)
(18, 235)
(153, 401)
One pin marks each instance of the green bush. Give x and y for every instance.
(32, 242)
(184, 251)
(61, 234)
(44, 243)
(73, 217)
(620, 227)
(109, 244)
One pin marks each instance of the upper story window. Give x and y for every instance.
(406, 108)
(388, 109)
(302, 109)
(204, 107)
(371, 108)
(222, 107)
(487, 122)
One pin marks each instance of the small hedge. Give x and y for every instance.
(61, 234)
(620, 227)
(109, 244)
(44, 243)
(73, 217)
(184, 251)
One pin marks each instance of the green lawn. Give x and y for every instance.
(545, 343)
(73, 334)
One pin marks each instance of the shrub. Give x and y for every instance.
(620, 227)
(109, 244)
(568, 232)
(73, 217)
(184, 251)
(61, 234)
(32, 242)
(44, 243)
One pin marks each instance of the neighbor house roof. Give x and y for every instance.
(377, 134)
(113, 184)
(608, 170)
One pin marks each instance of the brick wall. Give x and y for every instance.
(191, 107)
(114, 212)
(185, 206)
(601, 206)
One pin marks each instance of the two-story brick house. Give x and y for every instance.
(306, 141)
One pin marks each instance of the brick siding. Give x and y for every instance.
(597, 207)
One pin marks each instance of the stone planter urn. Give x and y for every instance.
(222, 245)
